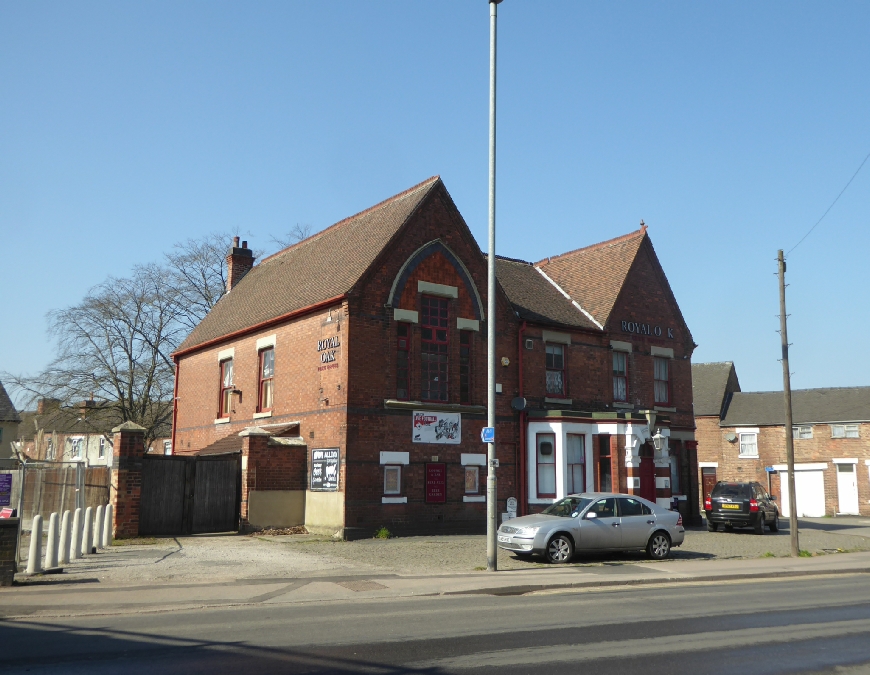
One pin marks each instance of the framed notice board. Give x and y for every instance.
(436, 483)
(324, 470)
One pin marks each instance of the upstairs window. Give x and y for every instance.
(167, 447)
(75, 447)
(465, 343)
(803, 433)
(661, 380)
(102, 451)
(844, 431)
(555, 370)
(226, 402)
(403, 361)
(434, 349)
(266, 376)
(749, 445)
(620, 376)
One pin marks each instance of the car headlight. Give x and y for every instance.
(527, 532)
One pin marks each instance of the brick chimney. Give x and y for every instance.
(43, 405)
(240, 260)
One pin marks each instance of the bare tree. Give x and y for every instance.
(296, 234)
(198, 273)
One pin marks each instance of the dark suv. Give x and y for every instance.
(741, 505)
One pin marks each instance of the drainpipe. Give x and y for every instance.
(174, 404)
(521, 462)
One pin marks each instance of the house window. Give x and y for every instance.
(102, 451)
(167, 447)
(75, 447)
(226, 388)
(749, 445)
(392, 479)
(576, 455)
(546, 465)
(49, 452)
(267, 376)
(465, 366)
(555, 369)
(403, 353)
(433, 352)
(844, 431)
(620, 376)
(661, 382)
(802, 432)
(605, 469)
(472, 480)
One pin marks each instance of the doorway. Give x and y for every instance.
(708, 479)
(847, 489)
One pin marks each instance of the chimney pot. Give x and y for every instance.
(235, 242)
(244, 244)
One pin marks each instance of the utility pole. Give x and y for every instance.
(491, 483)
(786, 390)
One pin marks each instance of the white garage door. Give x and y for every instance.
(810, 489)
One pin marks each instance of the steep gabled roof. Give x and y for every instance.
(809, 406)
(593, 276)
(536, 299)
(324, 266)
(710, 386)
(7, 409)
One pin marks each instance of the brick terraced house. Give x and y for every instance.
(741, 436)
(350, 371)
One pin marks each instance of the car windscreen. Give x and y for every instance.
(568, 507)
(731, 490)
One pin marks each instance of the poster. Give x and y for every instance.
(435, 427)
(5, 489)
(436, 483)
(324, 470)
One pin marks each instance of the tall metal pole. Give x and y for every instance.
(786, 388)
(491, 483)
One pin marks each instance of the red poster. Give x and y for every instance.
(436, 483)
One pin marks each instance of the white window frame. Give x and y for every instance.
(167, 447)
(101, 453)
(747, 432)
(476, 470)
(76, 442)
(846, 429)
(397, 468)
(802, 432)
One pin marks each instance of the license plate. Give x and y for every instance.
(729, 506)
(504, 538)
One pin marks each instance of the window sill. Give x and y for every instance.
(222, 420)
(747, 456)
(261, 415)
(542, 500)
(394, 500)
(561, 401)
(436, 407)
(622, 404)
(474, 498)
(661, 408)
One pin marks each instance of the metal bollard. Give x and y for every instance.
(98, 528)
(75, 549)
(88, 532)
(63, 549)
(107, 527)
(51, 544)
(35, 557)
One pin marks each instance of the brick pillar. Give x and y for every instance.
(254, 442)
(129, 449)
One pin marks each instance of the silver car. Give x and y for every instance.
(594, 521)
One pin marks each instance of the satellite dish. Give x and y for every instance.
(731, 437)
(519, 404)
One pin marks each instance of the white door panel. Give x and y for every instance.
(847, 488)
(810, 489)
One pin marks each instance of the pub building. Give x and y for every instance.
(350, 372)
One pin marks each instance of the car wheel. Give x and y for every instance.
(774, 524)
(712, 527)
(759, 526)
(659, 546)
(560, 549)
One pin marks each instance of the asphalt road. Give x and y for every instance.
(809, 625)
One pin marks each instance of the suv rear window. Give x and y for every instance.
(732, 490)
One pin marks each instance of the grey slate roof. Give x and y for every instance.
(7, 410)
(809, 406)
(324, 266)
(710, 386)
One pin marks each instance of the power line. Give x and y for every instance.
(831, 206)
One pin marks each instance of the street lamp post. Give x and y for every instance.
(491, 483)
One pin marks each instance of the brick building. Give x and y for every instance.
(357, 360)
(741, 436)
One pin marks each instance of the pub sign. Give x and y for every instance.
(436, 483)
(324, 470)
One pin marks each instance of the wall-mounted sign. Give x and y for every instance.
(646, 329)
(487, 435)
(436, 483)
(324, 470)
(5, 489)
(437, 427)
(326, 349)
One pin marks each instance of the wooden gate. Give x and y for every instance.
(190, 494)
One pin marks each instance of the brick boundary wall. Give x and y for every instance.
(126, 493)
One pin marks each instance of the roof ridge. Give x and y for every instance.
(379, 205)
(779, 391)
(609, 242)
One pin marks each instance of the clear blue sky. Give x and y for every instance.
(728, 127)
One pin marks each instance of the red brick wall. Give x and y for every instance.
(129, 449)
(270, 466)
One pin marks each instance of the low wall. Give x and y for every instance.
(324, 512)
(276, 508)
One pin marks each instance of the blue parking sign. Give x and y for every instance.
(487, 435)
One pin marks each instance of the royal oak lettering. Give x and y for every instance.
(645, 329)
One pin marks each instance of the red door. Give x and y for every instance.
(648, 479)
(708, 475)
